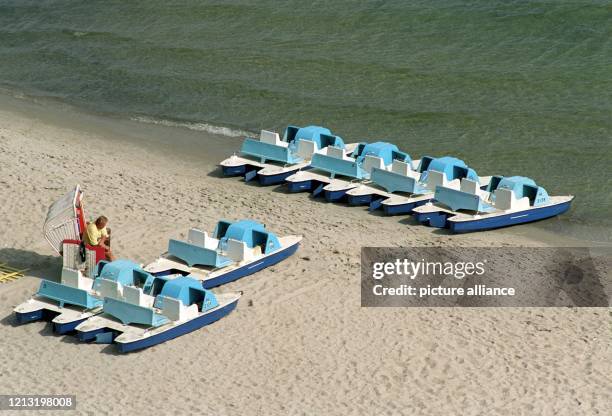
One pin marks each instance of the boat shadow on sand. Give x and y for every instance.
(47, 331)
(216, 173)
(37, 265)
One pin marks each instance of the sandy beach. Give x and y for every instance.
(299, 341)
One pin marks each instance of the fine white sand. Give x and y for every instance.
(299, 342)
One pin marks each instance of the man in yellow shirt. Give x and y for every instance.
(96, 234)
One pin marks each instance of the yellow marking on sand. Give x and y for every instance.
(8, 273)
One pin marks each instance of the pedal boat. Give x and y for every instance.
(76, 297)
(236, 249)
(271, 159)
(334, 172)
(165, 308)
(506, 201)
(400, 189)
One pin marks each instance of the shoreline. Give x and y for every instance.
(208, 149)
(158, 138)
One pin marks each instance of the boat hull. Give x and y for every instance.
(239, 170)
(178, 330)
(247, 171)
(357, 200)
(67, 327)
(435, 219)
(33, 316)
(64, 319)
(274, 179)
(507, 220)
(399, 209)
(302, 186)
(335, 196)
(251, 268)
(87, 336)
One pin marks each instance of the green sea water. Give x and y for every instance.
(512, 87)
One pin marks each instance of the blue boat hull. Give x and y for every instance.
(433, 219)
(335, 196)
(247, 171)
(234, 170)
(301, 186)
(39, 315)
(250, 172)
(47, 315)
(251, 268)
(177, 331)
(356, 200)
(522, 217)
(439, 219)
(86, 336)
(279, 178)
(403, 208)
(65, 328)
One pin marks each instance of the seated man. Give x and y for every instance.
(96, 234)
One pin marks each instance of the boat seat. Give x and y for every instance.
(110, 288)
(400, 167)
(129, 313)
(71, 256)
(336, 152)
(136, 296)
(74, 278)
(193, 254)
(201, 239)
(454, 184)
(370, 162)
(506, 200)
(306, 148)
(271, 137)
(174, 309)
(469, 186)
(238, 250)
(196, 237)
(435, 178)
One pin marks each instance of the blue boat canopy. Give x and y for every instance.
(189, 291)
(125, 272)
(521, 186)
(452, 168)
(322, 136)
(354, 167)
(388, 152)
(270, 147)
(249, 231)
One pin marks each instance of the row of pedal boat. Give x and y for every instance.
(442, 192)
(135, 306)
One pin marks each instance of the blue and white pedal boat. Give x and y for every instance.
(235, 249)
(271, 159)
(76, 297)
(506, 201)
(402, 178)
(334, 171)
(165, 308)
(408, 192)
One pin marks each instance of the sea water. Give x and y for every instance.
(514, 88)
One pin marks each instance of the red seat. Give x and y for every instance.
(100, 252)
